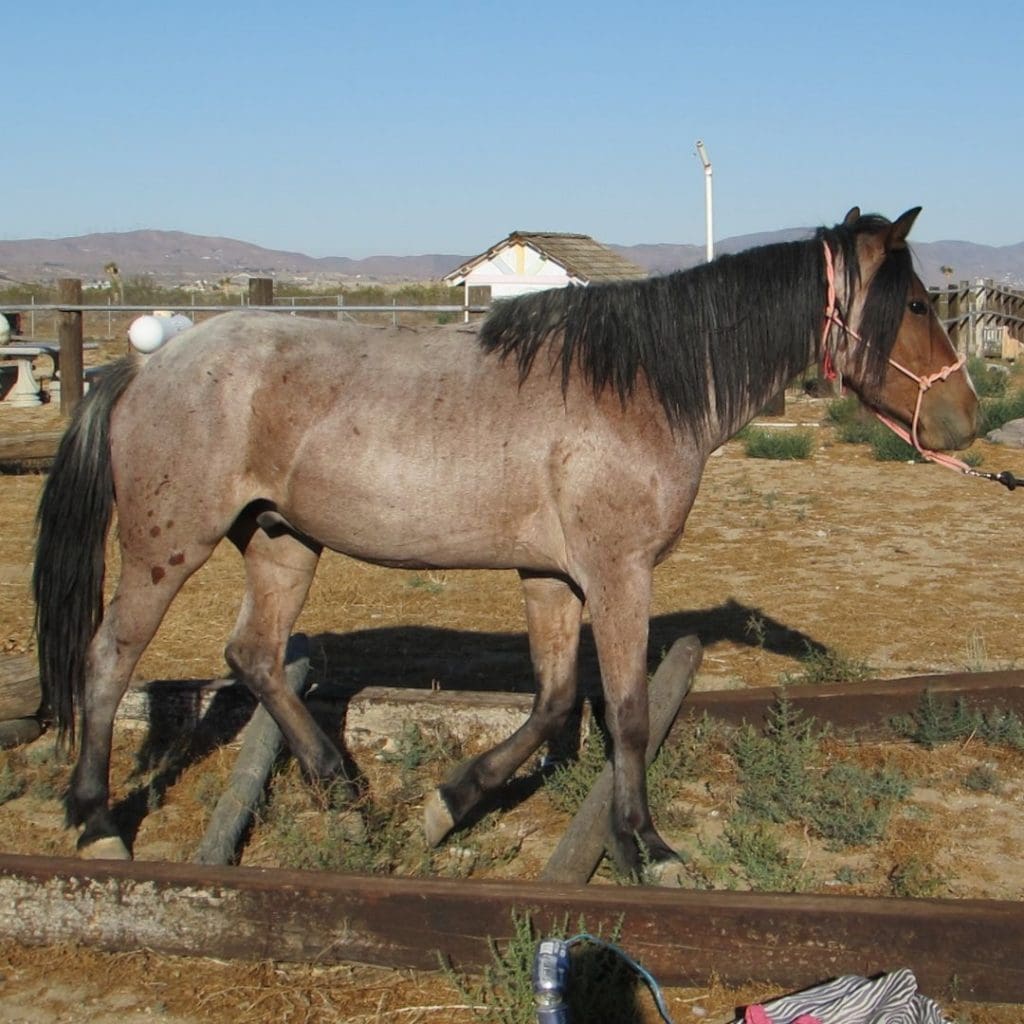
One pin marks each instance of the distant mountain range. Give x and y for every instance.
(176, 257)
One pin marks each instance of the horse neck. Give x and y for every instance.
(768, 381)
(722, 428)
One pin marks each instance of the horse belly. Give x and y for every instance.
(425, 510)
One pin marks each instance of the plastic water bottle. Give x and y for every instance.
(550, 979)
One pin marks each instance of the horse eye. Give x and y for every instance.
(918, 308)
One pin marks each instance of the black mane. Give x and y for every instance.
(746, 317)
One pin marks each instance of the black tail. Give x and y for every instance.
(73, 519)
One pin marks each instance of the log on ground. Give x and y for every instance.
(261, 743)
(19, 686)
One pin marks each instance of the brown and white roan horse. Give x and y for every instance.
(565, 439)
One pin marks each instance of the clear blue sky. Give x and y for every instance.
(335, 128)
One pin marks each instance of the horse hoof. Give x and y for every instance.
(667, 874)
(105, 848)
(437, 819)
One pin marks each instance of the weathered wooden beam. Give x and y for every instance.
(19, 686)
(682, 938)
(16, 731)
(261, 743)
(374, 713)
(16, 448)
(583, 844)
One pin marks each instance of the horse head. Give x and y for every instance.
(895, 353)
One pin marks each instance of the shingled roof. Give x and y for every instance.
(581, 256)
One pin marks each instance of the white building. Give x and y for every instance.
(529, 261)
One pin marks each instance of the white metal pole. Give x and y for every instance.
(709, 239)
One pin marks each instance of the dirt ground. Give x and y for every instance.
(908, 568)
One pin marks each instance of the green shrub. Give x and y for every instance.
(778, 444)
(858, 431)
(997, 411)
(889, 447)
(915, 879)
(851, 805)
(844, 410)
(827, 666)
(773, 766)
(854, 426)
(936, 721)
(568, 785)
(846, 805)
(765, 863)
(989, 382)
(680, 761)
(852, 422)
(982, 778)
(12, 783)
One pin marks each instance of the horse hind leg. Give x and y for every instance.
(139, 603)
(279, 568)
(554, 610)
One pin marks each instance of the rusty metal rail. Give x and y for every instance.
(971, 946)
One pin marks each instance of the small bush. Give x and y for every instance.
(568, 785)
(678, 762)
(936, 721)
(12, 783)
(914, 879)
(773, 766)
(765, 863)
(843, 410)
(983, 779)
(846, 805)
(828, 666)
(889, 447)
(858, 431)
(852, 806)
(989, 382)
(997, 411)
(779, 444)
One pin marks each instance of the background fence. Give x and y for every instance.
(983, 319)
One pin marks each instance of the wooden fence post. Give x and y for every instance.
(69, 293)
(261, 291)
(954, 306)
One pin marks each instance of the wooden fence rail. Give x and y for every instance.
(979, 316)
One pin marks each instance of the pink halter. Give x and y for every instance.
(833, 318)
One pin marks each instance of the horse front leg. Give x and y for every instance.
(619, 602)
(554, 608)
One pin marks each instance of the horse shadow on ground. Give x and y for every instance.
(423, 657)
(420, 658)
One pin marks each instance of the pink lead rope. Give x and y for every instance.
(834, 319)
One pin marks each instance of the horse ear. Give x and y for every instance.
(852, 217)
(899, 230)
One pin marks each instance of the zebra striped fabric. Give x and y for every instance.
(890, 999)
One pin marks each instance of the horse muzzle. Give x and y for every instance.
(945, 425)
